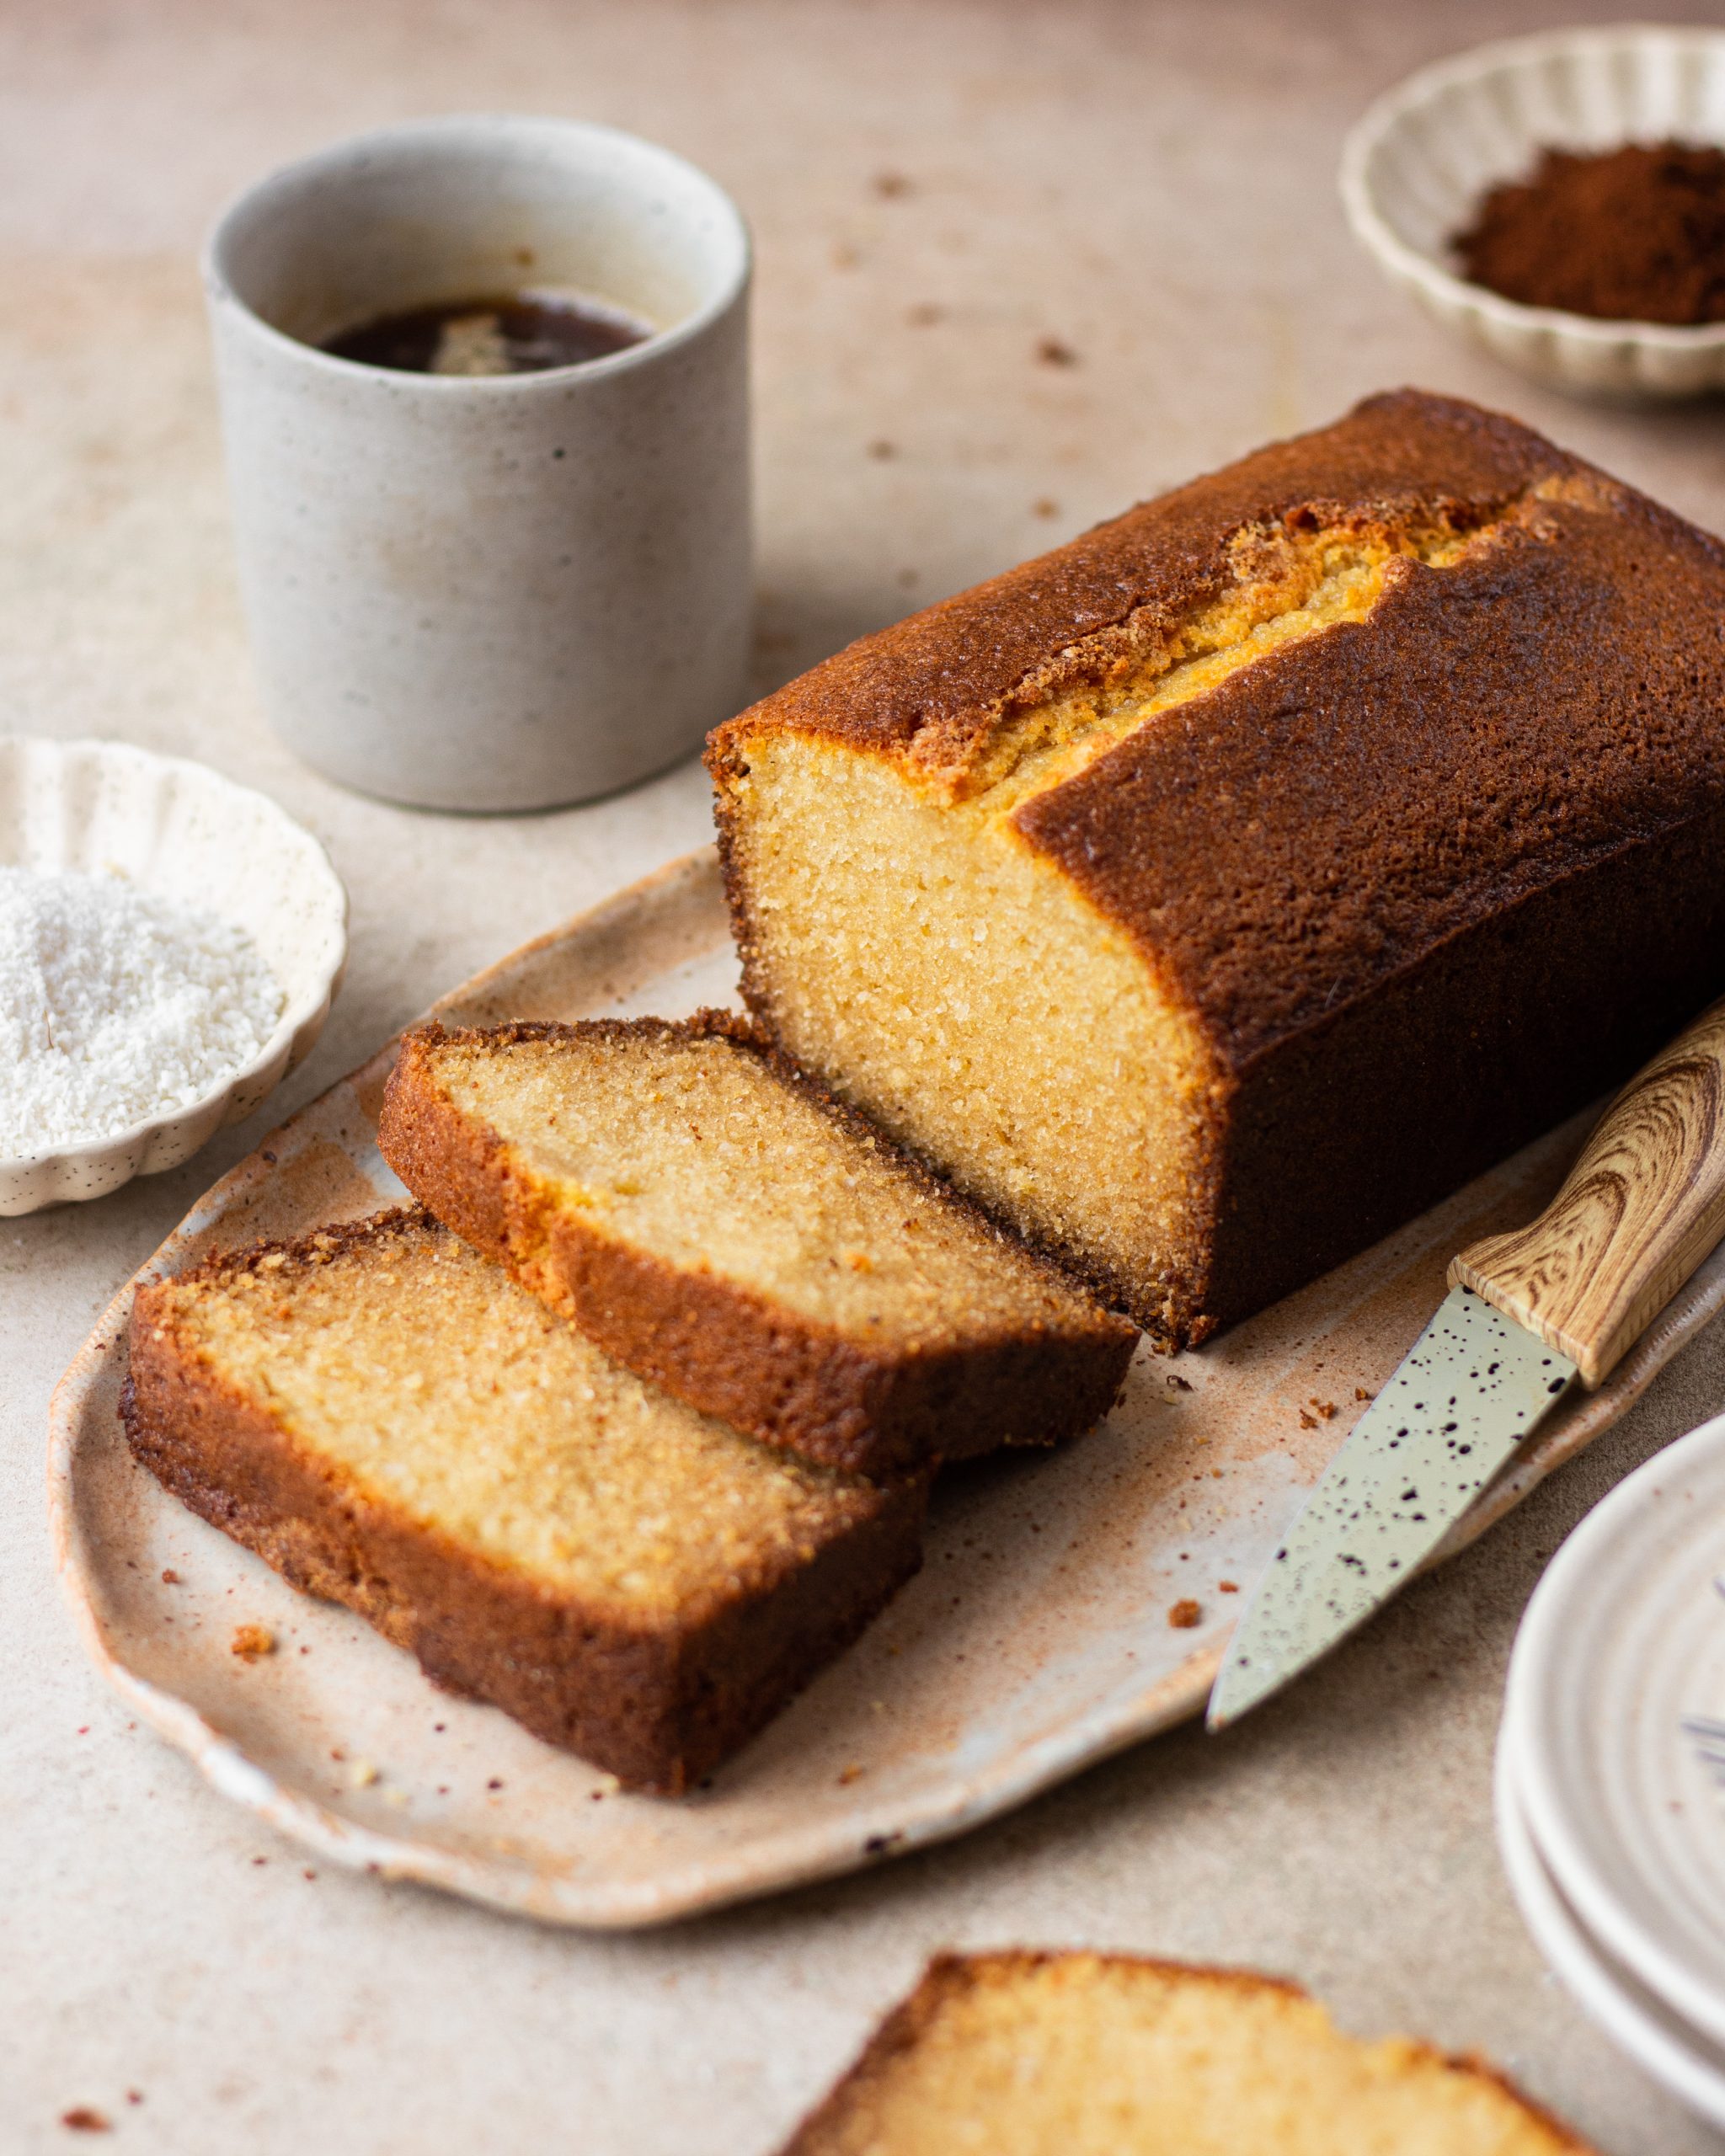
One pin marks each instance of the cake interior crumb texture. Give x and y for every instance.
(1093, 2055)
(956, 984)
(971, 1003)
(693, 1150)
(1212, 894)
(424, 1377)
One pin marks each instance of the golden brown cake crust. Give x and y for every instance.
(823, 2132)
(938, 682)
(717, 1345)
(658, 1707)
(1428, 881)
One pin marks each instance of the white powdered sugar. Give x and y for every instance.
(116, 1007)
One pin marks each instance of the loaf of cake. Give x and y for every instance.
(731, 1233)
(1105, 2055)
(1212, 894)
(392, 1422)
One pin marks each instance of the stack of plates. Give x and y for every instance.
(1610, 1777)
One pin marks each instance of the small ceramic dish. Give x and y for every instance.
(182, 832)
(1415, 166)
(1034, 1641)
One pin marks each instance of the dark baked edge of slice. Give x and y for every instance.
(906, 2024)
(724, 1348)
(658, 1707)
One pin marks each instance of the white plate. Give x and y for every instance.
(1615, 1686)
(1414, 168)
(180, 831)
(1660, 2043)
(1036, 1638)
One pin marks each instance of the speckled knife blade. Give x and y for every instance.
(1468, 1391)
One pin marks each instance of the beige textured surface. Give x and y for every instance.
(1153, 188)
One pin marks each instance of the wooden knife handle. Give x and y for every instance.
(1638, 1212)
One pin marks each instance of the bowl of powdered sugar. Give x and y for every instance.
(170, 944)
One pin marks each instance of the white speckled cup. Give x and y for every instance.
(488, 593)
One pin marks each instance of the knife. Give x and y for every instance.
(1528, 1316)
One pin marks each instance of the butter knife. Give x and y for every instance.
(1529, 1314)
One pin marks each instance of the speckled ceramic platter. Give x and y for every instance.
(1070, 1604)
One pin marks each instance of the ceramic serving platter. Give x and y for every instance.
(177, 830)
(1070, 1604)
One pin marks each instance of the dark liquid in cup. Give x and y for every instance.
(509, 332)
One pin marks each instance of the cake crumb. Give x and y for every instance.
(1307, 1422)
(1184, 1615)
(251, 1641)
(849, 1774)
(362, 1774)
(1227, 1586)
(1327, 1408)
(85, 2118)
(169, 1576)
(1360, 1393)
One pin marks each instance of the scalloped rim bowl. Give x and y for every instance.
(181, 831)
(1414, 167)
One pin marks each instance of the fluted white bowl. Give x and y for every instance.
(180, 831)
(1414, 167)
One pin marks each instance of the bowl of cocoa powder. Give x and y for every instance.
(1559, 200)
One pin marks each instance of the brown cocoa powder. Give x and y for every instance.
(1634, 234)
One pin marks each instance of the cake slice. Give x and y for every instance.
(730, 1232)
(1217, 892)
(392, 1422)
(1106, 2055)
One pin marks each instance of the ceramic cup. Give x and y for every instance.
(488, 592)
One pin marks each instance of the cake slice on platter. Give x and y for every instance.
(730, 1231)
(393, 1423)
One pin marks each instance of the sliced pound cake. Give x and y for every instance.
(726, 1229)
(1106, 2055)
(391, 1422)
(1212, 894)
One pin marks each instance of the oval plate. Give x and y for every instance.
(1048, 1626)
